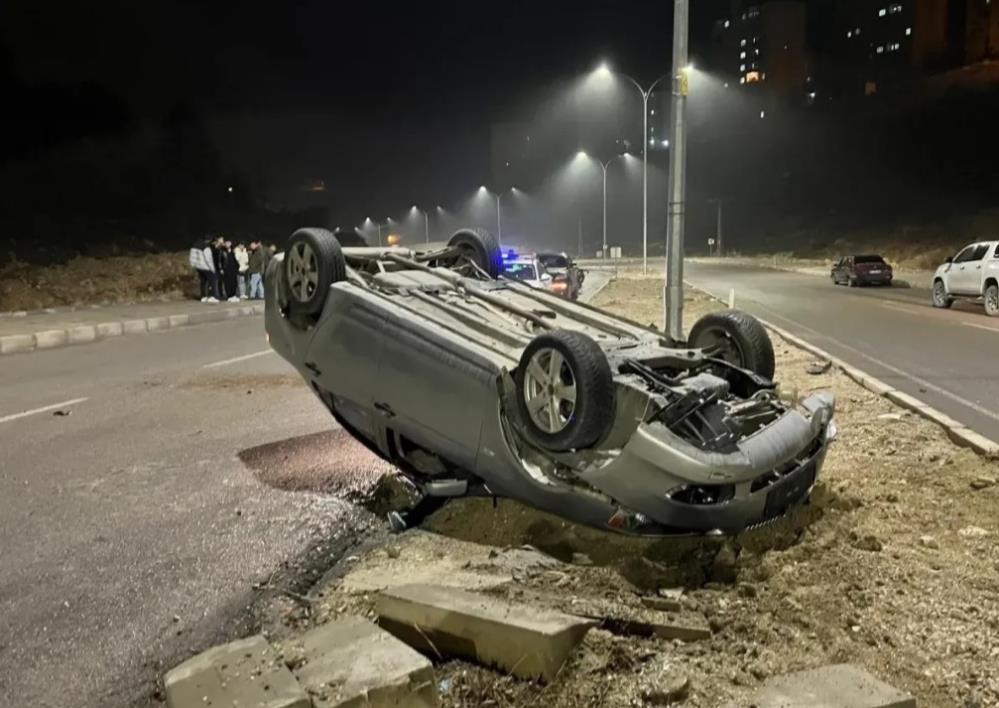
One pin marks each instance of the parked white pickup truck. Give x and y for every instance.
(972, 274)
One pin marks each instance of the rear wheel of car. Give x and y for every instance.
(736, 337)
(565, 391)
(312, 263)
(992, 300)
(940, 296)
(480, 247)
(853, 282)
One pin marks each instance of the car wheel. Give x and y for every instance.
(738, 338)
(940, 296)
(312, 263)
(479, 247)
(853, 282)
(992, 300)
(565, 391)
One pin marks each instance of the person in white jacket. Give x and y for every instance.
(202, 259)
(243, 258)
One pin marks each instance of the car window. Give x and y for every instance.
(868, 259)
(554, 261)
(979, 252)
(965, 255)
(520, 271)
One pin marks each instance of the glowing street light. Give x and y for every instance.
(604, 71)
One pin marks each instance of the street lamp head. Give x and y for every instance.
(482, 189)
(413, 208)
(603, 70)
(581, 155)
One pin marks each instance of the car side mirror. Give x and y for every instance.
(546, 277)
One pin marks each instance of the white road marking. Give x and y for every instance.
(981, 326)
(885, 365)
(236, 360)
(44, 409)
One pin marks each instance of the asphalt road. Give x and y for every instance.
(947, 358)
(131, 533)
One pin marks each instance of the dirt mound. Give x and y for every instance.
(85, 281)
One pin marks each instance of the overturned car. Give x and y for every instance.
(476, 385)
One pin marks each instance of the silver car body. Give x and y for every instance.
(417, 369)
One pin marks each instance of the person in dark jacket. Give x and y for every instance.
(258, 266)
(230, 272)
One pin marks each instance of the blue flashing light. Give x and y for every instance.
(510, 255)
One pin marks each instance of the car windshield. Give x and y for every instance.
(520, 271)
(868, 259)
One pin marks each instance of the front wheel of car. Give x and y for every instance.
(312, 263)
(992, 300)
(565, 391)
(940, 296)
(736, 337)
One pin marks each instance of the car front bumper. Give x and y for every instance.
(772, 472)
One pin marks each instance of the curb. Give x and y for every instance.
(86, 334)
(958, 433)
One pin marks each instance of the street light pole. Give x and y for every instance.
(426, 225)
(499, 220)
(603, 251)
(673, 294)
(645, 93)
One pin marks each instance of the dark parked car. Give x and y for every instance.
(862, 270)
(567, 277)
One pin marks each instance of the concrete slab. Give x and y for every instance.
(178, 320)
(110, 329)
(51, 338)
(134, 326)
(352, 662)
(17, 343)
(965, 437)
(836, 686)
(205, 316)
(247, 672)
(155, 323)
(523, 640)
(82, 334)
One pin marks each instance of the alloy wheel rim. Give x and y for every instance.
(303, 271)
(992, 300)
(721, 346)
(550, 391)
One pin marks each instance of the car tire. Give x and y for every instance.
(551, 420)
(992, 300)
(312, 262)
(940, 297)
(853, 282)
(741, 338)
(480, 247)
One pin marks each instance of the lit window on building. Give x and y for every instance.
(742, 79)
(849, 34)
(742, 55)
(742, 67)
(908, 31)
(856, 32)
(752, 77)
(882, 12)
(757, 51)
(895, 9)
(742, 43)
(880, 49)
(754, 12)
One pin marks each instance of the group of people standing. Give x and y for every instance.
(230, 272)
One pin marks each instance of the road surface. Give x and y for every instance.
(131, 533)
(947, 358)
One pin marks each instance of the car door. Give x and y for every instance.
(965, 274)
(837, 268)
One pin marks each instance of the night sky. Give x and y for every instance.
(388, 103)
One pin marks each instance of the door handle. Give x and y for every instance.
(385, 409)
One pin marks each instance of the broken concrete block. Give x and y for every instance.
(836, 686)
(647, 622)
(523, 640)
(352, 662)
(247, 672)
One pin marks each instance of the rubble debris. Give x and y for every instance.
(983, 482)
(836, 686)
(247, 672)
(819, 367)
(518, 638)
(351, 662)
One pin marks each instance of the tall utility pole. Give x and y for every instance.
(579, 238)
(673, 294)
(426, 225)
